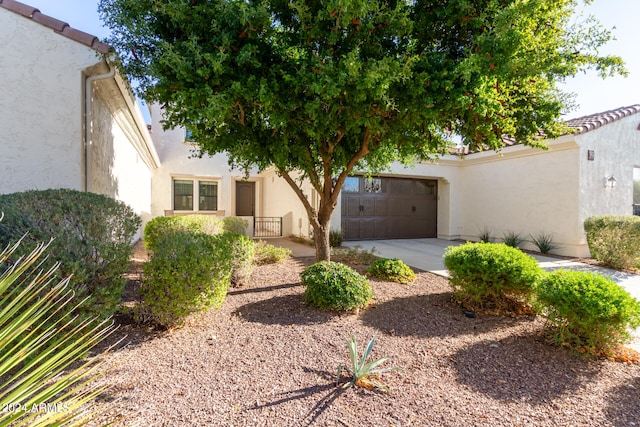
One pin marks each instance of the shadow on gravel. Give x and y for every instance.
(285, 310)
(522, 369)
(240, 291)
(623, 404)
(331, 389)
(433, 315)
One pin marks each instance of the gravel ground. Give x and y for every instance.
(266, 359)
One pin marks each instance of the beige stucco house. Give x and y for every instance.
(69, 120)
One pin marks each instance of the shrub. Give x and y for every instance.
(234, 224)
(34, 359)
(614, 239)
(587, 311)
(491, 275)
(92, 241)
(335, 238)
(544, 242)
(159, 226)
(485, 235)
(335, 286)
(186, 272)
(266, 253)
(392, 269)
(355, 255)
(243, 255)
(511, 238)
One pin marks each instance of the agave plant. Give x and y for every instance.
(364, 374)
(38, 386)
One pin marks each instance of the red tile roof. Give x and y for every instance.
(594, 121)
(58, 26)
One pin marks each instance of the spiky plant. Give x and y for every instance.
(39, 387)
(544, 242)
(364, 374)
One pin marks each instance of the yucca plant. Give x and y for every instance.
(38, 385)
(364, 374)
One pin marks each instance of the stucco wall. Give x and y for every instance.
(616, 149)
(525, 191)
(41, 105)
(279, 200)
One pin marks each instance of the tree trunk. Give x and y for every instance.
(321, 238)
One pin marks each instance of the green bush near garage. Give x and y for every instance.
(335, 286)
(614, 239)
(186, 272)
(491, 276)
(587, 312)
(92, 237)
(391, 269)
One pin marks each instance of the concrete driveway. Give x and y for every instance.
(426, 254)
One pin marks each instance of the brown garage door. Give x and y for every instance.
(389, 208)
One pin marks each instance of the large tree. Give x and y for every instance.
(320, 89)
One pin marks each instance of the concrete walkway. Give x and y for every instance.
(426, 254)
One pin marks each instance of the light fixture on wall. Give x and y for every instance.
(610, 181)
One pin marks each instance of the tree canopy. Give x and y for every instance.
(328, 87)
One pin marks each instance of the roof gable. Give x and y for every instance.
(56, 25)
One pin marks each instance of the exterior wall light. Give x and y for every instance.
(610, 181)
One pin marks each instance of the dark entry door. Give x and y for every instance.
(245, 198)
(389, 208)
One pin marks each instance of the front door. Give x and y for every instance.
(245, 198)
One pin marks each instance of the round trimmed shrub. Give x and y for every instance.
(491, 275)
(186, 272)
(243, 254)
(335, 286)
(92, 237)
(391, 269)
(614, 239)
(587, 311)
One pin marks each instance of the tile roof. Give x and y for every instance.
(56, 25)
(594, 121)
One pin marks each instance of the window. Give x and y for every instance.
(351, 185)
(208, 196)
(186, 190)
(182, 195)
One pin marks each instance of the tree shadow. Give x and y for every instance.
(432, 315)
(528, 358)
(333, 392)
(284, 310)
(240, 291)
(623, 406)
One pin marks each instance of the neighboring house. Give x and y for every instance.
(68, 120)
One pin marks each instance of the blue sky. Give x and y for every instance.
(593, 94)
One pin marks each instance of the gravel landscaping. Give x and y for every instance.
(266, 359)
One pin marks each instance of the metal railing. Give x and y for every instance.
(636, 209)
(267, 226)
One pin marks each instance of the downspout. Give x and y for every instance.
(88, 154)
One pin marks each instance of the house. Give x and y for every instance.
(519, 190)
(68, 119)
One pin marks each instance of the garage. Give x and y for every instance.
(389, 208)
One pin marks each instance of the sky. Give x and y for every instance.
(594, 94)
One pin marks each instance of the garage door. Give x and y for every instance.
(389, 208)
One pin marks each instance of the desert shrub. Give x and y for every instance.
(335, 286)
(243, 255)
(335, 238)
(587, 311)
(266, 253)
(391, 269)
(485, 235)
(92, 237)
(355, 255)
(544, 242)
(159, 226)
(614, 239)
(511, 238)
(186, 272)
(234, 224)
(40, 364)
(491, 275)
